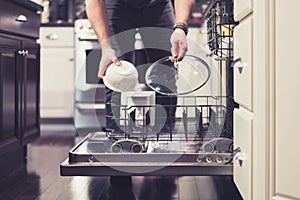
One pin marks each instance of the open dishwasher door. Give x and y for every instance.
(195, 145)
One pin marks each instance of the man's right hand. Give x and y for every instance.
(109, 56)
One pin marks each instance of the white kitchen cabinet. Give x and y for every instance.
(242, 8)
(285, 97)
(272, 164)
(57, 37)
(243, 69)
(57, 72)
(243, 121)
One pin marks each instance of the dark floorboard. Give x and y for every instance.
(40, 179)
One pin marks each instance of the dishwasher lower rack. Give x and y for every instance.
(195, 145)
(145, 120)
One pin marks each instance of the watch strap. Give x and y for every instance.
(182, 26)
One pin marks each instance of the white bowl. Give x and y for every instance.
(123, 78)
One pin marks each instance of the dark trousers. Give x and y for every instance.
(154, 25)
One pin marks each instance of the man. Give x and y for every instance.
(115, 23)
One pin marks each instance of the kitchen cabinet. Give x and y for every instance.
(9, 137)
(243, 74)
(266, 131)
(30, 91)
(19, 79)
(242, 9)
(57, 73)
(243, 127)
(243, 117)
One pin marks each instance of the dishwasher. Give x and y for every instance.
(199, 140)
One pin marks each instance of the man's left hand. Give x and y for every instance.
(179, 45)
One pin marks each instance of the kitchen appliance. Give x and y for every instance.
(89, 105)
(195, 146)
(198, 143)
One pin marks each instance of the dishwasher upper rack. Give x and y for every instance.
(220, 25)
(197, 118)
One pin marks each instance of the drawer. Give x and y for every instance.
(242, 8)
(243, 136)
(243, 68)
(57, 36)
(17, 19)
(9, 42)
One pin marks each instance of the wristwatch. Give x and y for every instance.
(182, 26)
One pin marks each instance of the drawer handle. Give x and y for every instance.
(52, 36)
(21, 18)
(238, 63)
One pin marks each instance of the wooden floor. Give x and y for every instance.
(40, 178)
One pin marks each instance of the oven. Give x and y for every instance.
(89, 105)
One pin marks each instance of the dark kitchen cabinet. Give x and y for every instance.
(19, 65)
(19, 80)
(30, 92)
(9, 110)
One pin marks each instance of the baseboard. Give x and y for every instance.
(56, 120)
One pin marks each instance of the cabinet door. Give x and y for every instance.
(285, 152)
(243, 136)
(9, 137)
(243, 69)
(30, 91)
(243, 117)
(57, 82)
(242, 8)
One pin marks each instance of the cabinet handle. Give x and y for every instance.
(239, 156)
(52, 36)
(23, 52)
(21, 18)
(238, 63)
(26, 52)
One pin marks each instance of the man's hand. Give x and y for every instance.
(108, 56)
(179, 45)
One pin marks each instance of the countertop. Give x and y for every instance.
(28, 4)
(53, 24)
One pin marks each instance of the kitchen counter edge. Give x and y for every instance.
(28, 4)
